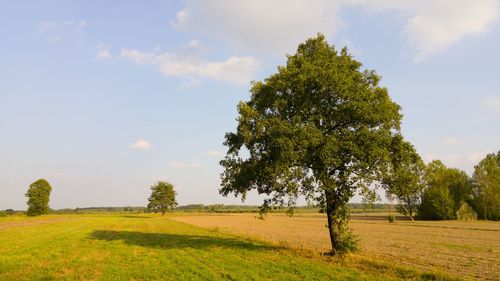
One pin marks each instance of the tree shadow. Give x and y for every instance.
(378, 217)
(176, 241)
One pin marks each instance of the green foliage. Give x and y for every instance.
(404, 177)
(486, 184)
(38, 197)
(320, 127)
(162, 197)
(437, 204)
(3, 214)
(447, 189)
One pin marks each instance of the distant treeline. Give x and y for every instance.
(212, 208)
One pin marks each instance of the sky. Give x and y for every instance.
(104, 98)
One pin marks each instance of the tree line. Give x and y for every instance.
(437, 192)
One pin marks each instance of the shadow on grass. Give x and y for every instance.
(173, 241)
(135, 217)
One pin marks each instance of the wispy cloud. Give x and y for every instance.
(141, 144)
(103, 52)
(45, 26)
(183, 165)
(213, 153)
(451, 141)
(160, 178)
(492, 103)
(235, 69)
(55, 32)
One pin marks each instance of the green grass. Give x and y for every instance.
(149, 247)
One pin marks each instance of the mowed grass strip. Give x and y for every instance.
(468, 250)
(149, 247)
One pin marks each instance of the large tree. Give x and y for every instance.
(486, 183)
(405, 175)
(320, 127)
(38, 197)
(162, 197)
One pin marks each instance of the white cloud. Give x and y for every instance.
(213, 153)
(182, 165)
(436, 25)
(140, 144)
(239, 70)
(431, 26)
(451, 141)
(492, 103)
(103, 52)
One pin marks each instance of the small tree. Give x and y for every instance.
(405, 176)
(320, 127)
(38, 197)
(162, 197)
(486, 184)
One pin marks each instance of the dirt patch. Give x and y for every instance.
(27, 222)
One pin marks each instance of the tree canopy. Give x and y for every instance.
(321, 127)
(38, 197)
(162, 197)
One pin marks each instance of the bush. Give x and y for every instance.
(3, 214)
(391, 218)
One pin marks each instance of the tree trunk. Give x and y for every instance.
(333, 221)
(333, 227)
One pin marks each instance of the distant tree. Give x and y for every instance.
(320, 127)
(486, 185)
(38, 197)
(447, 189)
(405, 176)
(162, 197)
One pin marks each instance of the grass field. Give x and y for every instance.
(151, 247)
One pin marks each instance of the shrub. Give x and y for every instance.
(391, 218)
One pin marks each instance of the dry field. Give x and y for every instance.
(462, 249)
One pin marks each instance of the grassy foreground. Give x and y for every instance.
(149, 247)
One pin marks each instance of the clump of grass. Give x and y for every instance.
(391, 218)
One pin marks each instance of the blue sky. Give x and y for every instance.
(105, 98)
